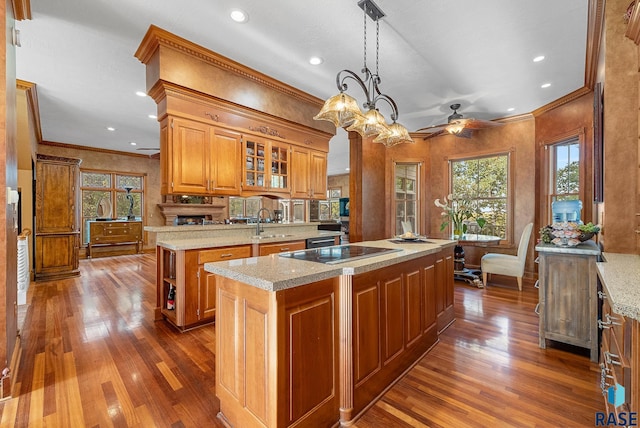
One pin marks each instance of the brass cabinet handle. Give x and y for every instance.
(226, 255)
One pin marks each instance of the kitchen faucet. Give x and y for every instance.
(258, 230)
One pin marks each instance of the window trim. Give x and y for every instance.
(511, 162)
(545, 205)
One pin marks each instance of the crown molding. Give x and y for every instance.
(32, 104)
(21, 9)
(97, 149)
(595, 26)
(561, 101)
(156, 37)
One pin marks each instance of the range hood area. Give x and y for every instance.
(215, 211)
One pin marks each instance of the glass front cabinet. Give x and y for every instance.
(266, 166)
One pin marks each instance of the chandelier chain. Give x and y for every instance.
(365, 37)
(377, 45)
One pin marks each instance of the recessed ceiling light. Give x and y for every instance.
(110, 128)
(153, 116)
(141, 94)
(511, 109)
(545, 85)
(133, 143)
(315, 60)
(239, 15)
(347, 169)
(538, 58)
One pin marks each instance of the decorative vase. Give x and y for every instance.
(458, 230)
(129, 197)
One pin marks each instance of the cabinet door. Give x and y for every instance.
(254, 176)
(567, 299)
(207, 290)
(56, 197)
(300, 172)
(226, 148)
(318, 174)
(56, 254)
(190, 157)
(279, 174)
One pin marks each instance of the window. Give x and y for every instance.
(334, 203)
(485, 181)
(244, 207)
(406, 196)
(104, 195)
(565, 171)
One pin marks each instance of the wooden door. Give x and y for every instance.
(300, 172)
(56, 197)
(318, 174)
(225, 150)
(190, 151)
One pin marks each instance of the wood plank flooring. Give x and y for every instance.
(93, 357)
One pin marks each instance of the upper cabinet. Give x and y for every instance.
(227, 129)
(266, 167)
(200, 159)
(309, 173)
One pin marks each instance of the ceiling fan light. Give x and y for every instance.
(369, 125)
(455, 128)
(341, 110)
(395, 134)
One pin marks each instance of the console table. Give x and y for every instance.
(114, 233)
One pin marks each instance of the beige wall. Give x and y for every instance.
(339, 182)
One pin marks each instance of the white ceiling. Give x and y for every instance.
(432, 53)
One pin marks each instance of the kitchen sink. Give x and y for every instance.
(269, 236)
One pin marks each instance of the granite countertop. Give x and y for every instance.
(240, 239)
(273, 273)
(588, 248)
(620, 275)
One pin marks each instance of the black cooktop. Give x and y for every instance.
(338, 254)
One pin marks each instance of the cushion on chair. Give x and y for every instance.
(502, 264)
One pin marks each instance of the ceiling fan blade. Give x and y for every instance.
(157, 149)
(434, 134)
(465, 133)
(479, 124)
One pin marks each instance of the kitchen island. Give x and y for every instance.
(186, 293)
(315, 344)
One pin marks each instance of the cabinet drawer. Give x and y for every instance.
(281, 247)
(226, 253)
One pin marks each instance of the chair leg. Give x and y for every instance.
(484, 279)
(519, 283)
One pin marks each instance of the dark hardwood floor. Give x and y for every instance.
(92, 356)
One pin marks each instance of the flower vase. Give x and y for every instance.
(457, 230)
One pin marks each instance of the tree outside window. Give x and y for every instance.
(565, 171)
(485, 181)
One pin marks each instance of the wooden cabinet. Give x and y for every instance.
(114, 233)
(195, 288)
(200, 159)
(57, 229)
(567, 299)
(281, 247)
(309, 173)
(266, 167)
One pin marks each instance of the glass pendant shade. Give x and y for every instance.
(395, 134)
(371, 124)
(342, 110)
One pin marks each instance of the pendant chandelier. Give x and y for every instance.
(342, 109)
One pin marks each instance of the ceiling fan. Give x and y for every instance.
(457, 125)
